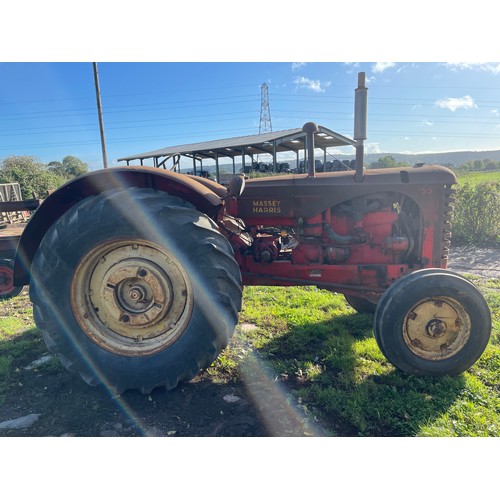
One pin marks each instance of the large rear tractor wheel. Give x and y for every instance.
(7, 288)
(432, 322)
(135, 289)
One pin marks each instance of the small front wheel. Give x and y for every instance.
(432, 322)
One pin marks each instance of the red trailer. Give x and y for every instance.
(10, 234)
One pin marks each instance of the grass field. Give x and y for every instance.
(475, 178)
(314, 348)
(325, 353)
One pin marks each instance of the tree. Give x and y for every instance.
(490, 165)
(33, 176)
(57, 168)
(387, 162)
(70, 167)
(478, 165)
(74, 166)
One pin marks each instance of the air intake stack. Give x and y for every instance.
(360, 114)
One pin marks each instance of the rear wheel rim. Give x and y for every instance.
(131, 297)
(436, 328)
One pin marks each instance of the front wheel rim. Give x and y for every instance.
(131, 298)
(436, 328)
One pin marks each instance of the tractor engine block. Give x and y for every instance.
(363, 231)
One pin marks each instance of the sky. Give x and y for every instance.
(48, 109)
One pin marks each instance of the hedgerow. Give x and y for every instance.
(477, 214)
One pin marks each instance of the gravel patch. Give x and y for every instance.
(484, 262)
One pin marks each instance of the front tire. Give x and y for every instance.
(432, 322)
(135, 289)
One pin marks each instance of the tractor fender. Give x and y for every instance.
(206, 198)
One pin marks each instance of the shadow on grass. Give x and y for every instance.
(333, 368)
(338, 371)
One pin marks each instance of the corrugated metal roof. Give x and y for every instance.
(284, 140)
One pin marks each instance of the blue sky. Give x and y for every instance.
(172, 95)
(48, 110)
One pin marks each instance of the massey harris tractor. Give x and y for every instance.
(136, 273)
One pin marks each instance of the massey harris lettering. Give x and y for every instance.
(266, 206)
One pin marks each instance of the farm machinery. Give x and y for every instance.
(136, 273)
(14, 213)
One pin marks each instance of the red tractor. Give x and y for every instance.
(136, 273)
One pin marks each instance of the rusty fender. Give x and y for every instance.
(206, 197)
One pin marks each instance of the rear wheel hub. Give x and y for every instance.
(131, 298)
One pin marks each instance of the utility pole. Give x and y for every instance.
(99, 112)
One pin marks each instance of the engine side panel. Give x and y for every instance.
(339, 234)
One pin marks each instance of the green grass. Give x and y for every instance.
(20, 342)
(475, 178)
(326, 355)
(311, 347)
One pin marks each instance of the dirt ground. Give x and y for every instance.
(60, 404)
(484, 262)
(54, 403)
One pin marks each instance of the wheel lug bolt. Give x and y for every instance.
(125, 318)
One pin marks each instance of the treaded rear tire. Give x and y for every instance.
(142, 218)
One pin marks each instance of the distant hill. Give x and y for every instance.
(450, 159)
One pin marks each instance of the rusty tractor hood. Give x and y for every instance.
(303, 196)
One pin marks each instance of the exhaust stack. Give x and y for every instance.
(360, 114)
(310, 128)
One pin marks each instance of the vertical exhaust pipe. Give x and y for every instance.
(310, 128)
(360, 114)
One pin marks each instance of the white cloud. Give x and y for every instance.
(495, 112)
(381, 66)
(454, 103)
(373, 148)
(351, 66)
(428, 123)
(477, 66)
(314, 85)
(297, 65)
